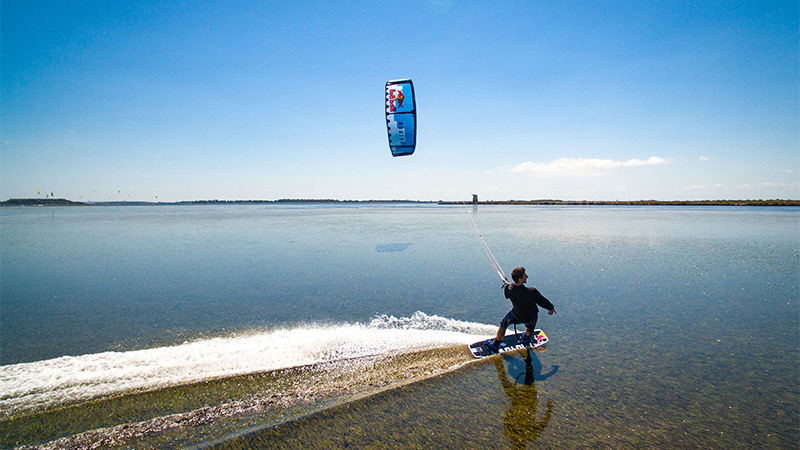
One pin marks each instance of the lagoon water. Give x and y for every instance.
(345, 325)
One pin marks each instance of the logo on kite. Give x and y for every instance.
(401, 117)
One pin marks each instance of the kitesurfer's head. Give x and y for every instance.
(517, 274)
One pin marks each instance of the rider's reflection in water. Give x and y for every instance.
(519, 422)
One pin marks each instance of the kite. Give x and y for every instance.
(401, 117)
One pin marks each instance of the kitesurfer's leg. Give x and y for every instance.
(501, 333)
(528, 333)
(529, 327)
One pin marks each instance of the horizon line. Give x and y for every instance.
(722, 202)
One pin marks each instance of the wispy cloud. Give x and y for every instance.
(705, 158)
(718, 186)
(768, 184)
(702, 187)
(584, 166)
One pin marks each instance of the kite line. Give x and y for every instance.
(488, 251)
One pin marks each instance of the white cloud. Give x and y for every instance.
(769, 184)
(584, 166)
(705, 158)
(701, 187)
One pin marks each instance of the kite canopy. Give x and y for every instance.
(401, 117)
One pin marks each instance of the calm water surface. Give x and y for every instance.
(677, 327)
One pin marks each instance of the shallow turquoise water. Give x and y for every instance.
(676, 326)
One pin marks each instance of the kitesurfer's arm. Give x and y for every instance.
(542, 301)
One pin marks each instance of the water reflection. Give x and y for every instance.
(519, 422)
(392, 248)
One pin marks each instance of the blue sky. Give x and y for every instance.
(528, 99)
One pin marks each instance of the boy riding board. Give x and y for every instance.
(526, 301)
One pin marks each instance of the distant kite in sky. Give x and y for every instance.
(401, 117)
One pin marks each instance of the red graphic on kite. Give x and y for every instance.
(395, 96)
(400, 98)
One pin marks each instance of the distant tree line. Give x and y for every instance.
(40, 201)
(65, 202)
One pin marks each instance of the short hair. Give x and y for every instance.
(517, 274)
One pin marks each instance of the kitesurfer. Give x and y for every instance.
(525, 303)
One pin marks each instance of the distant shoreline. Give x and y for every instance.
(28, 202)
(776, 202)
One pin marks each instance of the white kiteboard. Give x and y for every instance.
(510, 343)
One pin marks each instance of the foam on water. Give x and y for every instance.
(42, 384)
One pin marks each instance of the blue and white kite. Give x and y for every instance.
(401, 117)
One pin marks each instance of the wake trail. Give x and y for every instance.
(28, 387)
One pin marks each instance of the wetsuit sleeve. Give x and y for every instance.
(542, 301)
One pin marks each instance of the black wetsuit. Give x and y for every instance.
(525, 299)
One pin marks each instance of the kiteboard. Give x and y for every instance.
(510, 343)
